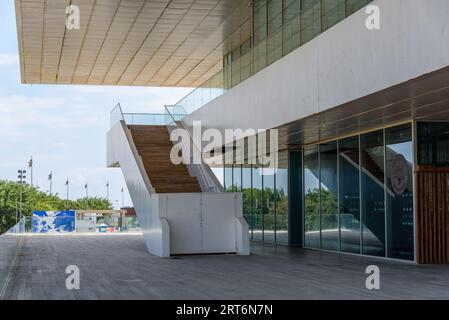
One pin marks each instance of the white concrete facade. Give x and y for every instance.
(188, 223)
(345, 63)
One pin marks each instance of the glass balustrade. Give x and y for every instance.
(10, 244)
(148, 119)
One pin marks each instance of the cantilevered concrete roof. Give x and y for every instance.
(128, 42)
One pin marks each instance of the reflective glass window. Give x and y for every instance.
(237, 178)
(355, 5)
(269, 219)
(257, 204)
(310, 20)
(282, 199)
(274, 47)
(333, 12)
(311, 198)
(274, 18)
(373, 193)
(247, 196)
(349, 193)
(260, 20)
(329, 196)
(291, 9)
(399, 173)
(228, 184)
(291, 35)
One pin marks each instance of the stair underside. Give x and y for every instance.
(154, 146)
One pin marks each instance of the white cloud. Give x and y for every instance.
(17, 103)
(22, 114)
(132, 99)
(60, 146)
(7, 59)
(83, 175)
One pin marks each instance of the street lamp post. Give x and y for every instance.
(17, 212)
(30, 166)
(107, 190)
(50, 178)
(123, 199)
(67, 187)
(21, 181)
(87, 196)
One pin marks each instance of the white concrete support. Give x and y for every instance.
(122, 152)
(184, 223)
(205, 223)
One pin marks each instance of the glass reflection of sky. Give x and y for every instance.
(404, 149)
(310, 179)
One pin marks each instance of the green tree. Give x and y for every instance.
(35, 200)
(312, 206)
(94, 203)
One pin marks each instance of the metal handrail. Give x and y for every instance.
(202, 170)
(206, 174)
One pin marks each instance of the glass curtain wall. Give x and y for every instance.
(334, 11)
(354, 5)
(358, 194)
(274, 24)
(279, 27)
(399, 174)
(228, 183)
(310, 20)
(265, 198)
(312, 233)
(269, 217)
(282, 200)
(259, 20)
(291, 30)
(247, 194)
(237, 178)
(257, 204)
(329, 196)
(373, 193)
(349, 189)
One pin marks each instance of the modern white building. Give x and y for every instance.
(357, 89)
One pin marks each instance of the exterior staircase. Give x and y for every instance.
(154, 146)
(182, 209)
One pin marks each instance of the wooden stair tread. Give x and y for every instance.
(154, 147)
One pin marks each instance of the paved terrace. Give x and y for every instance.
(119, 267)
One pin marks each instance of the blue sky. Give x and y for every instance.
(63, 127)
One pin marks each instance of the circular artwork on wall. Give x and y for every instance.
(399, 174)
